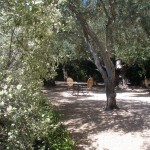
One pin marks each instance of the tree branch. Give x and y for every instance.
(96, 59)
(112, 9)
(88, 31)
(105, 10)
(10, 48)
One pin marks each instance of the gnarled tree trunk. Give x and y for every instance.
(109, 79)
(104, 65)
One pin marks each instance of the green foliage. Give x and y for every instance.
(131, 40)
(129, 31)
(26, 115)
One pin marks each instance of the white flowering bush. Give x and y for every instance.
(27, 120)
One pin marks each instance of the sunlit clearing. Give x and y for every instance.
(121, 141)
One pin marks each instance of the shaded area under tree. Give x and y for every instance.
(84, 115)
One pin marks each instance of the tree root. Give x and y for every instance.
(110, 108)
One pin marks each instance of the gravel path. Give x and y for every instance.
(92, 128)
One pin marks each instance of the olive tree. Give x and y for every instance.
(111, 30)
(98, 44)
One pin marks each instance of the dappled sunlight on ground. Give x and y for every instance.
(134, 96)
(92, 128)
(111, 140)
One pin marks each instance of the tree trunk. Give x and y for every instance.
(123, 74)
(104, 65)
(109, 80)
(111, 96)
(65, 74)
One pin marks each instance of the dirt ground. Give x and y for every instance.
(92, 128)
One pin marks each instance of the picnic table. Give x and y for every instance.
(79, 86)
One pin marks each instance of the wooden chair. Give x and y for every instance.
(69, 82)
(90, 83)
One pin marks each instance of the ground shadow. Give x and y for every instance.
(84, 116)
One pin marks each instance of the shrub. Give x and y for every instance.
(28, 122)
